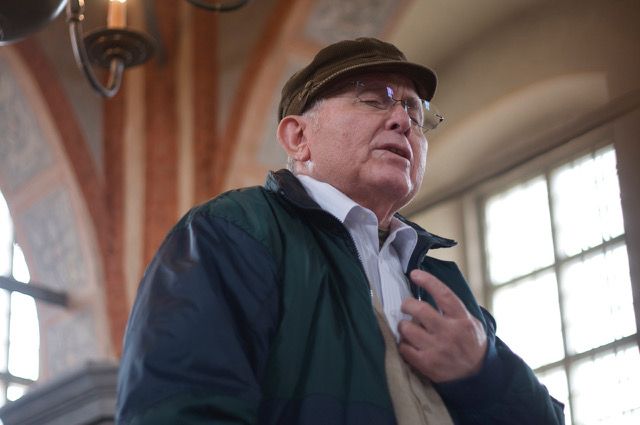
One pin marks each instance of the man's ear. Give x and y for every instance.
(292, 137)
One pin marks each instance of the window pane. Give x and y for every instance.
(6, 238)
(598, 301)
(24, 337)
(3, 397)
(586, 200)
(15, 391)
(4, 328)
(536, 337)
(605, 388)
(20, 269)
(556, 382)
(518, 231)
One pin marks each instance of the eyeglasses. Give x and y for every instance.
(381, 96)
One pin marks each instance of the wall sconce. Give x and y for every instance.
(114, 48)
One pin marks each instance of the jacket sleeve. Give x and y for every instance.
(504, 392)
(197, 340)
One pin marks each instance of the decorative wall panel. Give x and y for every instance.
(335, 20)
(23, 149)
(71, 342)
(51, 230)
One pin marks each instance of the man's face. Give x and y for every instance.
(367, 153)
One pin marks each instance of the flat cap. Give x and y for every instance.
(350, 57)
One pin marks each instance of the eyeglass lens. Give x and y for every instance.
(381, 96)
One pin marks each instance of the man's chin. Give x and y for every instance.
(397, 185)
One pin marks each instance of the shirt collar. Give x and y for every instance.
(328, 197)
(405, 241)
(402, 236)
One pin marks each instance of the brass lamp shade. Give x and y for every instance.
(19, 18)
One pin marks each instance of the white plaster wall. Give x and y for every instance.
(552, 64)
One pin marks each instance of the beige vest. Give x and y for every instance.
(415, 401)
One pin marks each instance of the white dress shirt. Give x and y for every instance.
(385, 267)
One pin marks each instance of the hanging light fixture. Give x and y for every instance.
(114, 48)
(117, 47)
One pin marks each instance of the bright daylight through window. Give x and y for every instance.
(560, 290)
(19, 333)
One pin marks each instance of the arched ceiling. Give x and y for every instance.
(260, 45)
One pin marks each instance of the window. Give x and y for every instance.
(19, 333)
(558, 283)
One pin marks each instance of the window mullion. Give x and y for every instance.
(524, 276)
(559, 261)
(603, 247)
(556, 266)
(489, 288)
(6, 376)
(6, 345)
(36, 291)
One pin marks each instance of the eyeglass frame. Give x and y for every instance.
(429, 110)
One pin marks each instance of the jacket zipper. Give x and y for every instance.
(352, 247)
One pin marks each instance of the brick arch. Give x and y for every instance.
(55, 197)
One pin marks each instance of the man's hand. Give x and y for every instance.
(443, 345)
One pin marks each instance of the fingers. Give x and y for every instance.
(455, 351)
(429, 357)
(447, 301)
(413, 356)
(427, 316)
(443, 344)
(415, 334)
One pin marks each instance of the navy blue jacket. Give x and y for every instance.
(256, 310)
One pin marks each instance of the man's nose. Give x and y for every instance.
(399, 118)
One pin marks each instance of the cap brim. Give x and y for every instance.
(424, 78)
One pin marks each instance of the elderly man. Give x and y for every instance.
(310, 300)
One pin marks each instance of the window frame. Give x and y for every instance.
(39, 293)
(475, 238)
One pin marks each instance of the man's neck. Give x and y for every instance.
(384, 211)
(383, 204)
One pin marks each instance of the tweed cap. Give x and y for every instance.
(345, 58)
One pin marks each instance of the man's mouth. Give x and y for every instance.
(399, 152)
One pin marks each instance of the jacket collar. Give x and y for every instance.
(285, 184)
